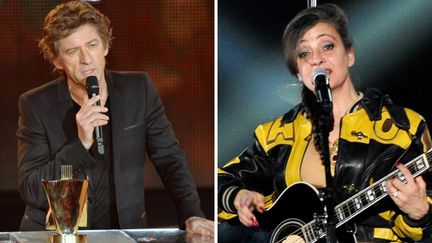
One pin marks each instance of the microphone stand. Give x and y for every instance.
(325, 126)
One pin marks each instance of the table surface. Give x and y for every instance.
(110, 236)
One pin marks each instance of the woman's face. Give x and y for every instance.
(322, 46)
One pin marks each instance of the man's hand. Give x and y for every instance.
(89, 117)
(201, 226)
(246, 202)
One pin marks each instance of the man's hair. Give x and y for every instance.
(305, 20)
(65, 19)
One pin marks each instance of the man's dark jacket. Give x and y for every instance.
(139, 125)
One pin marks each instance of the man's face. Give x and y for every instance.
(82, 54)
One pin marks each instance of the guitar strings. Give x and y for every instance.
(363, 198)
(299, 233)
(301, 240)
(350, 207)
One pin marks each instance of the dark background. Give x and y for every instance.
(171, 40)
(393, 47)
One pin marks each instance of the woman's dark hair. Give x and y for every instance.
(305, 20)
(296, 28)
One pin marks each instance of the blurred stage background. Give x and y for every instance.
(393, 49)
(171, 40)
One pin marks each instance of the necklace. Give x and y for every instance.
(333, 156)
(335, 146)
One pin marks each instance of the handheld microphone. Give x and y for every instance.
(320, 78)
(93, 90)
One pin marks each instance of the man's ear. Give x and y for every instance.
(299, 78)
(58, 63)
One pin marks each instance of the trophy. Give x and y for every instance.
(66, 199)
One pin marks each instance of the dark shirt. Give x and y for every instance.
(102, 182)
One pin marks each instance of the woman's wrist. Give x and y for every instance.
(228, 199)
(420, 222)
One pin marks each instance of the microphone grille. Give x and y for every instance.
(319, 72)
(92, 85)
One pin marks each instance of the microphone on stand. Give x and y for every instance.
(320, 78)
(93, 90)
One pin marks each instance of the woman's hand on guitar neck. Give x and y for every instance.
(410, 194)
(245, 202)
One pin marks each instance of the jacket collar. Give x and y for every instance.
(373, 102)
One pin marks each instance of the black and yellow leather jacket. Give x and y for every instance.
(373, 136)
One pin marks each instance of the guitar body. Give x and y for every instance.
(290, 231)
(293, 216)
(296, 207)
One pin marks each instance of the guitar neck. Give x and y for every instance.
(348, 209)
(378, 190)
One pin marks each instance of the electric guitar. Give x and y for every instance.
(294, 225)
